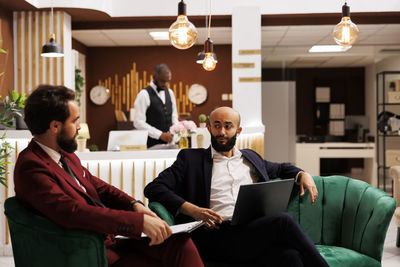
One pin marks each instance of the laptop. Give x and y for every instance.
(120, 139)
(261, 199)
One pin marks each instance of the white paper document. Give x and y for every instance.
(184, 227)
(178, 228)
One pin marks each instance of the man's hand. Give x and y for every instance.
(210, 218)
(156, 229)
(140, 208)
(307, 182)
(166, 137)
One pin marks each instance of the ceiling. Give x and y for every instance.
(282, 46)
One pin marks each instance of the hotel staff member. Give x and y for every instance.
(155, 108)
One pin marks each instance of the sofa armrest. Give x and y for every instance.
(37, 241)
(395, 173)
(162, 212)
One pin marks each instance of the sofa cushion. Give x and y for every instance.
(343, 257)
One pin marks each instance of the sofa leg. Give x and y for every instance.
(398, 237)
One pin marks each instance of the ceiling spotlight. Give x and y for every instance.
(346, 32)
(182, 33)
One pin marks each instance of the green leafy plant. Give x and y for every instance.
(3, 52)
(202, 118)
(79, 82)
(93, 147)
(13, 104)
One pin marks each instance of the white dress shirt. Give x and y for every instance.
(228, 174)
(54, 155)
(141, 105)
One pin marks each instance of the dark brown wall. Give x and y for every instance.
(106, 61)
(347, 86)
(6, 60)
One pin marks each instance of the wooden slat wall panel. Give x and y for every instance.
(33, 31)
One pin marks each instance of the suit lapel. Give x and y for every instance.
(256, 163)
(207, 169)
(61, 173)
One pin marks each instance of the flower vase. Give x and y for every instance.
(183, 142)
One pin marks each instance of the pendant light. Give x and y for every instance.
(346, 32)
(52, 49)
(182, 33)
(210, 59)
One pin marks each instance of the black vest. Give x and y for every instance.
(158, 114)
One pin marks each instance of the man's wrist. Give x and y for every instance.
(134, 202)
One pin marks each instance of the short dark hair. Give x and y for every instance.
(160, 67)
(45, 104)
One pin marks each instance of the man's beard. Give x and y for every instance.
(67, 144)
(223, 147)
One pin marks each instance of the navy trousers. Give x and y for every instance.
(274, 240)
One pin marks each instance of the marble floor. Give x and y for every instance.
(391, 253)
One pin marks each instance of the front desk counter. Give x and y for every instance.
(308, 156)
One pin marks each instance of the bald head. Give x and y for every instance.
(227, 113)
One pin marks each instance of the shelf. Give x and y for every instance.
(389, 135)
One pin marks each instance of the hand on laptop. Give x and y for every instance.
(307, 182)
(210, 218)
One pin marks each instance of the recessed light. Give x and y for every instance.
(328, 48)
(159, 35)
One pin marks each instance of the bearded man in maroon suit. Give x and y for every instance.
(49, 178)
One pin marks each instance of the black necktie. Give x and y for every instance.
(68, 170)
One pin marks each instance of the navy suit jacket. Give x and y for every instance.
(189, 177)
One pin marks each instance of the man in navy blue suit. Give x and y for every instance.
(203, 184)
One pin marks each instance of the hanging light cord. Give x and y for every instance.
(209, 22)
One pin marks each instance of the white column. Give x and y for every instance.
(246, 81)
(69, 74)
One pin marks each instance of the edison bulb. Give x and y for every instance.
(182, 33)
(209, 62)
(346, 32)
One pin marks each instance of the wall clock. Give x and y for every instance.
(99, 95)
(197, 94)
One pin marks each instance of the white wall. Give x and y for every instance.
(121, 8)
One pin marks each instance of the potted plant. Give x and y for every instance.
(13, 104)
(202, 120)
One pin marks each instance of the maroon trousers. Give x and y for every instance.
(178, 250)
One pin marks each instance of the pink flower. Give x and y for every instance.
(183, 128)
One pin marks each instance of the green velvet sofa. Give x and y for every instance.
(348, 222)
(38, 242)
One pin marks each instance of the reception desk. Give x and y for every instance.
(308, 156)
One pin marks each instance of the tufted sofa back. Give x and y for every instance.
(348, 213)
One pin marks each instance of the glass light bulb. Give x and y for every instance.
(346, 32)
(182, 33)
(209, 62)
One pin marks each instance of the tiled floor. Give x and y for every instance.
(391, 253)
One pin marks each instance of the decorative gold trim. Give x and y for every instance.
(154, 170)
(165, 164)
(243, 65)
(122, 177)
(109, 174)
(132, 147)
(133, 179)
(62, 45)
(19, 52)
(98, 169)
(250, 52)
(144, 181)
(26, 55)
(249, 79)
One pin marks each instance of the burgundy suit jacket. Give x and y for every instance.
(42, 184)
